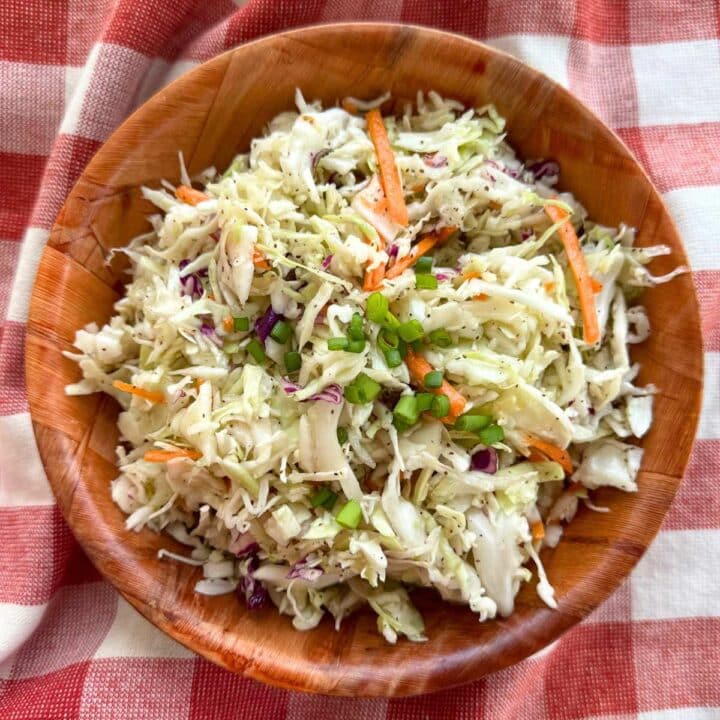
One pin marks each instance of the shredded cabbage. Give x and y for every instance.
(240, 315)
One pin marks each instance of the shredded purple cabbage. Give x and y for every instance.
(393, 251)
(192, 283)
(209, 332)
(251, 590)
(304, 571)
(485, 461)
(504, 169)
(264, 326)
(526, 233)
(326, 262)
(435, 160)
(243, 545)
(544, 168)
(332, 393)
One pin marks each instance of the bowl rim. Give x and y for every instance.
(268, 671)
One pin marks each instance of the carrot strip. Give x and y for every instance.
(198, 382)
(549, 286)
(419, 367)
(259, 260)
(228, 323)
(374, 278)
(481, 296)
(445, 232)
(152, 395)
(427, 243)
(596, 285)
(389, 175)
(550, 451)
(159, 456)
(189, 195)
(538, 530)
(583, 281)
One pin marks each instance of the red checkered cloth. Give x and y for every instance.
(70, 71)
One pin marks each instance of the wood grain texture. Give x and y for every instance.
(212, 113)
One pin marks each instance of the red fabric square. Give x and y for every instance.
(218, 693)
(697, 504)
(78, 568)
(654, 21)
(20, 176)
(677, 155)
(463, 703)
(603, 21)
(270, 15)
(518, 691)
(466, 16)
(139, 689)
(26, 574)
(47, 697)
(85, 23)
(602, 76)
(34, 32)
(70, 156)
(592, 673)
(12, 368)
(160, 28)
(536, 17)
(677, 662)
(707, 284)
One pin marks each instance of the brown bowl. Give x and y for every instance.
(210, 114)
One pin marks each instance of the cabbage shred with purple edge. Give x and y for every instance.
(269, 420)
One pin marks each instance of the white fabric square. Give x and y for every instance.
(696, 212)
(22, 476)
(30, 252)
(320, 707)
(686, 713)
(131, 635)
(17, 622)
(672, 579)
(31, 105)
(677, 82)
(710, 414)
(547, 53)
(76, 87)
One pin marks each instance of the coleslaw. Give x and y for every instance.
(373, 354)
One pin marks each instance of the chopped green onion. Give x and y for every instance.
(491, 434)
(377, 308)
(402, 349)
(392, 358)
(440, 406)
(342, 435)
(292, 361)
(230, 348)
(337, 343)
(390, 322)
(433, 379)
(472, 423)
(256, 350)
(363, 389)
(281, 331)
(411, 330)
(350, 514)
(241, 324)
(406, 409)
(400, 425)
(424, 401)
(387, 340)
(325, 498)
(356, 346)
(424, 265)
(426, 282)
(416, 345)
(356, 331)
(441, 338)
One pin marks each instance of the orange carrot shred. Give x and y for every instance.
(419, 367)
(152, 395)
(550, 451)
(538, 530)
(389, 175)
(596, 285)
(374, 278)
(198, 382)
(159, 456)
(228, 323)
(427, 243)
(549, 286)
(482, 296)
(189, 195)
(583, 281)
(259, 260)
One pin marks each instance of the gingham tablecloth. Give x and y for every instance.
(70, 71)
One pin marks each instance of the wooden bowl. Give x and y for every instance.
(210, 114)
